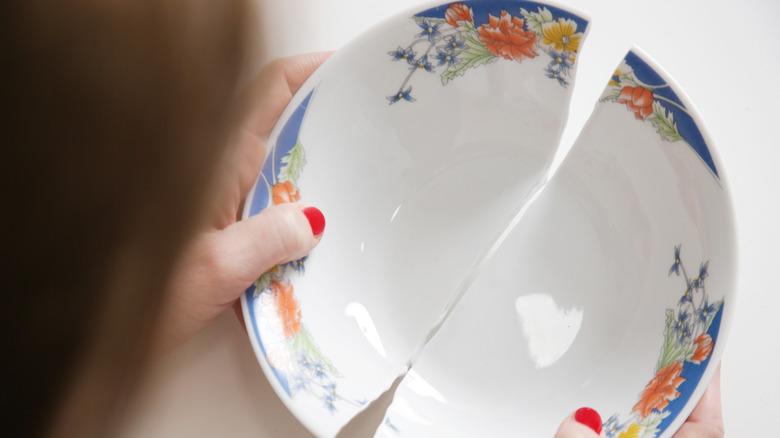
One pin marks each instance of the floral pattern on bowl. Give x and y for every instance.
(288, 347)
(308, 354)
(646, 94)
(452, 41)
(462, 36)
(621, 150)
(690, 334)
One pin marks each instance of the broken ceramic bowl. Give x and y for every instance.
(507, 296)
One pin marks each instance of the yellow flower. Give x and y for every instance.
(614, 80)
(631, 432)
(622, 71)
(562, 35)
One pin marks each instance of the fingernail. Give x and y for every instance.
(316, 220)
(588, 417)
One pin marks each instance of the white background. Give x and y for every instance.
(725, 55)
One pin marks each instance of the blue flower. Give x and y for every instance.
(698, 282)
(446, 57)
(453, 43)
(612, 427)
(297, 265)
(704, 270)
(706, 310)
(676, 266)
(678, 326)
(429, 30)
(559, 67)
(422, 63)
(682, 326)
(685, 334)
(401, 53)
(559, 61)
(687, 297)
(299, 383)
(329, 404)
(304, 362)
(557, 75)
(401, 95)
(319, 371)
(329, 400)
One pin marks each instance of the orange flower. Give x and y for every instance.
(660, 390)
(285, 192)
(506, 38)
(458, 12)
(637, 99)
(703, 348)
(289, 309)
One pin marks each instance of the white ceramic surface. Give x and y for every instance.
(572, 308)
(428, 200)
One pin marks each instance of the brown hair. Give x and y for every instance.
(116, 112)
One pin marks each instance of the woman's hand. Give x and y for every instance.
(706, 420)
(228, 255)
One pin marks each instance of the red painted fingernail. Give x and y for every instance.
(316, 220)
(588, 417)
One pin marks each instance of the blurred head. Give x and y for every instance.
(116, 113)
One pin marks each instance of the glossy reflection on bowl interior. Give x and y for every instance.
(425, 142)
(609, 292)
(415, 192)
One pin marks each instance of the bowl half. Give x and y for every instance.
(612, 289)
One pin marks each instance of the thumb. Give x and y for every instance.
(221, 265)
(278, 234)
(583, 423)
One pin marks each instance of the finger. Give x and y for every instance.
(239, 314)
(251, 247)
(583, 423)
(275, 86)
(220, 265)
(706, 420)
(269, 94)
(699, 430)
(709, 408)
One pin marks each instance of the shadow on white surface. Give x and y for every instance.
(210, 387)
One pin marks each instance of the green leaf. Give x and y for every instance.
(672, 350)
(432, 20)
(669, 340)
(628, 80)
(650, 424)
(292, 163)
(663, 121)
(474, 55)
(535, 20)
(263, 283)
(625, 73)
(610, 94)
